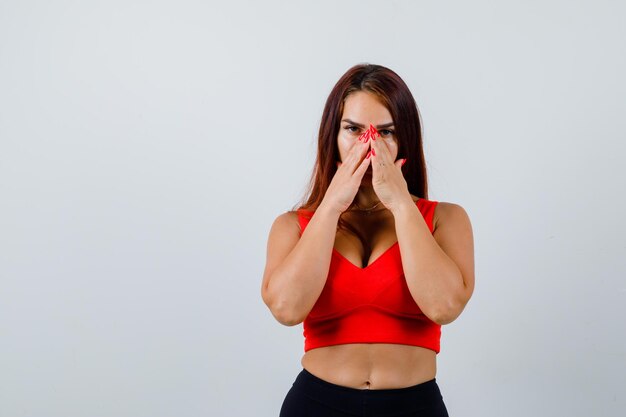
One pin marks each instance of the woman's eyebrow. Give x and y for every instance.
(384, 125)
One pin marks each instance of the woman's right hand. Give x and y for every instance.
(346, 181)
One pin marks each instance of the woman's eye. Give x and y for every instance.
(386, 132)
(349, 129)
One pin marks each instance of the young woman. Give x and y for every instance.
(368, 264)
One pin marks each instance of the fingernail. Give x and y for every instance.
(403, 161)
(373, 152)
(368, 154)
(373, 132)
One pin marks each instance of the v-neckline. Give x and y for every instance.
(382, 255)
(374, 262)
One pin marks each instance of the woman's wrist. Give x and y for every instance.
(328, 210)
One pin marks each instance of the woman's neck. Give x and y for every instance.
(366, 198)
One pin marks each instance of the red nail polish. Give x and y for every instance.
(373, 132)
(373, 152)
(403, 161)
(368, 154)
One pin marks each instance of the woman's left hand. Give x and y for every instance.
(387, 179)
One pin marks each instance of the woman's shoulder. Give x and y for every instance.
(288, 222)
(291, 215)
(445, 210)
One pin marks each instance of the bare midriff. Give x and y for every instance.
(372, 365)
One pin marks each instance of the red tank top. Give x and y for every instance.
(371, 304)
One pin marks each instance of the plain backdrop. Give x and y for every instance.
(147, 147)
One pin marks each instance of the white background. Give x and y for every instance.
(146, 148)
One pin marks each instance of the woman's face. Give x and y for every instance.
(359, 111)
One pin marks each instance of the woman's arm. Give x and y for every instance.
(438, 267)
(297, 266)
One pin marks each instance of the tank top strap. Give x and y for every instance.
(427, 208)
(304, 216)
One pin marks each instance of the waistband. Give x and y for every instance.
(355, 400)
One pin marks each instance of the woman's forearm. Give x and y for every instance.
(434, 280)
(298, 282)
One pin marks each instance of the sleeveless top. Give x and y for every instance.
(371, 304)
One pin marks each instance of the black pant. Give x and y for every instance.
(311, 396)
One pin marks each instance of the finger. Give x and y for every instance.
(360, 171)
(375, 162)
(353, 154)
(363, 136)
(382, 151)
(379, 162)
(357, 154)
(371, 132)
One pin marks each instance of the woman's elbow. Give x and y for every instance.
(285, 315)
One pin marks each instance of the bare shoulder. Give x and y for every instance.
(446, 212)
(289, 221)
(286, 227)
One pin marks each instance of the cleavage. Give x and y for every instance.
(380, 236)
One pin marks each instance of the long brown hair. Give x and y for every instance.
(392, 91)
